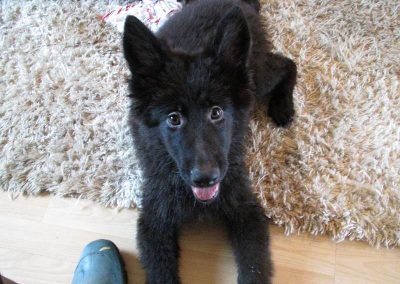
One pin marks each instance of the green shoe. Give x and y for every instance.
(100, 263)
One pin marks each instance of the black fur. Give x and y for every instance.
(212, 53)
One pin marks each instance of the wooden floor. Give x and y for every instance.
(42, 238)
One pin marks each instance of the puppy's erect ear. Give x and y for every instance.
(232, 40)
(142, 50)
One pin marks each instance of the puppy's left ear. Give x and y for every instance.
(142, 50)
(232, 40)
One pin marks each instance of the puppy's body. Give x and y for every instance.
(192, 89)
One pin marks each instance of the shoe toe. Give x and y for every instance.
(100, 263)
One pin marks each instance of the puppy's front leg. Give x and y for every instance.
(248, 230)
(159, 249)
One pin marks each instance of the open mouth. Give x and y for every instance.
(206, 193)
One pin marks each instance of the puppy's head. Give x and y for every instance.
(197, 103)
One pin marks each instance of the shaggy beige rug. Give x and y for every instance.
(336, 170)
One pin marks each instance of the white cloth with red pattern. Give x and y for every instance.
(153, 13)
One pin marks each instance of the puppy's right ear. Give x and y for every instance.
(142, 50)
(233, 39)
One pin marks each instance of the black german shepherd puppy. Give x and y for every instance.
(192, 89)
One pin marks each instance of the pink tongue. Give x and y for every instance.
(206, 193)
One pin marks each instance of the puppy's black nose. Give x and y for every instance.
(204, 177)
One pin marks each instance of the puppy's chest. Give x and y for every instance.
(197, 211)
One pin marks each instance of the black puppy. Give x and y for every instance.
(192, 88)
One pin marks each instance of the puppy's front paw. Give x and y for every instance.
(281, 112)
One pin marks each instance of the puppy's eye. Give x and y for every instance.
(216, 113)
(174, 119)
